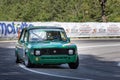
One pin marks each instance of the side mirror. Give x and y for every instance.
(68, 39)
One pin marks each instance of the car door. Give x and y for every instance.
(21, 44)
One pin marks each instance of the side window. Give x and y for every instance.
(22, 36)
(25, 38)
(63, 36)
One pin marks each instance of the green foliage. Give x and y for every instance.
(58, 10)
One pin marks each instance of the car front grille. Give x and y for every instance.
(55, 51)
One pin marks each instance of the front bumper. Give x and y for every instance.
(53, 59)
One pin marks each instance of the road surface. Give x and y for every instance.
(99, 60)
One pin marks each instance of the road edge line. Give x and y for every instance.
(54, 75)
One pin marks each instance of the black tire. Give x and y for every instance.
(17, 58)
(27, 62)
(74, 65)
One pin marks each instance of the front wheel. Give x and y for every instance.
(74, 65)
(17, 59)
(27, 61)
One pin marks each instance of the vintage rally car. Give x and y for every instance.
(46, 45)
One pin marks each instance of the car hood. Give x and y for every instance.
(51, 45)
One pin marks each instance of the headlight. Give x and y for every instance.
(37, 52)
(70, 52)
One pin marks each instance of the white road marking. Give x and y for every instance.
(109, 45)
(54, 75)
(8, 41)
(11, 47)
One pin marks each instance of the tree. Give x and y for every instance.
(60, 10)
(102, 3)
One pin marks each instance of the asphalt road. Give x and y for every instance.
(99, 60)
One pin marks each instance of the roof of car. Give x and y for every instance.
(43, 27)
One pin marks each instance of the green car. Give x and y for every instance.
(46, 45)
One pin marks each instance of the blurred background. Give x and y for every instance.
(79, 18)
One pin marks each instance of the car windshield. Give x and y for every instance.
(47, 35)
